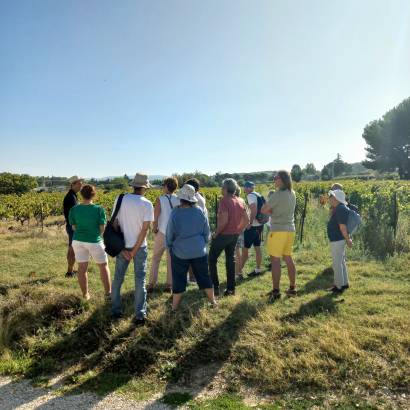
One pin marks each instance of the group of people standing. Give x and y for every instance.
(179, 222)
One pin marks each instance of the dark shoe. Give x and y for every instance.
(70, 274)
(344, 287)
(168, 289)
(269, 266)
(229, 292)
(150, 289)
(335, 290)
(139, 322)
(291, 292)
(254, 273)
(117, 316)
(274, 295)
(216, 291)
(239, 277)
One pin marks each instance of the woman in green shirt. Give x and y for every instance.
(88, 221)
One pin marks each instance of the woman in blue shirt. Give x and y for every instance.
(186, 238)
(339, 238)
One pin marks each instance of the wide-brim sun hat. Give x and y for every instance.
(187, 193)
(140, 181)
(339, 195)
(74, 179)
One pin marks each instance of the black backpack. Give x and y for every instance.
(260, 217)
(113, 237)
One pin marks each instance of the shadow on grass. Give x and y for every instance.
(200, 364)
(321, 281)
(5, 287)
(132, 352)
(327, 304)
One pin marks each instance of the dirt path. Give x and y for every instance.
(23, 396)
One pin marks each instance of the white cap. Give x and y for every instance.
(339, 195)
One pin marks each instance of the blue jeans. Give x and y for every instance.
(140, 295)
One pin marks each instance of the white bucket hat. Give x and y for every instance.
(187, 193)
(140, 181)
(339, 195)
(74, 179)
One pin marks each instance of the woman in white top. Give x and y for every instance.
(162, 210)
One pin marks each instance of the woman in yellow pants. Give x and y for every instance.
(281, 207)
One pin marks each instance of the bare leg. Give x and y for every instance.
(70, 259)
(258, 254)
(105, 277)
(238, 261)
(275, 272)
(245, 256)
(83, 279)
(210, 295)
(176, 300)
(291, 270)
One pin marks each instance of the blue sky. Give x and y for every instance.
(98, 88)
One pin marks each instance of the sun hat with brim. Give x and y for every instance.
(339, 195)
(74, 179)
(187, 193)
(249, 184)
(140, 181)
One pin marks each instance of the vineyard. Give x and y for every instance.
(382, 204)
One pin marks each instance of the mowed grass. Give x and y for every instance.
(351, 351)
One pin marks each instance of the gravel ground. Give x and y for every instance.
(23, 396)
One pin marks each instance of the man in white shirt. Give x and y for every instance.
(253, 233)
(134, 219)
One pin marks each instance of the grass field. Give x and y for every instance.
(312, 351)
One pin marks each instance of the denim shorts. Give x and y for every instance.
(180, 269)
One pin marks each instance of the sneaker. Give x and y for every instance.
(150, 289)
(344, 287)
(168, 289)
(229, 292)
(274, 295)
(216, 291)
(239, 276)
(291, 292)
(70, 274)
(139, 322)
(107, 297)
(254, 273)
(87, 297)
(117, 316)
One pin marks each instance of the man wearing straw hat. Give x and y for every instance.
(71, 200)
(134, 219)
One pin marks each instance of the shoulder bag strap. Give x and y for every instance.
(170, 202)
(117, 207)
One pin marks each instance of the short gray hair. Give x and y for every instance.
(230, 185)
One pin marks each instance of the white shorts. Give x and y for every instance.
(83, 251)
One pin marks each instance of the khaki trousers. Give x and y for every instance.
(157, 252)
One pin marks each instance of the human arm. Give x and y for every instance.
(157, 212)
(102, 220)
(244, 221)
(71, 219)
(206, 230)
(343, 230)
(342, 215)
(141, 238)
(170, 233)
(222, 219)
